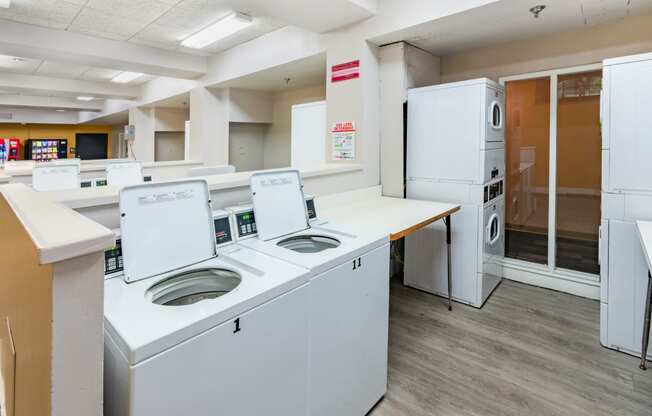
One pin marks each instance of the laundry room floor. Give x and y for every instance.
(528, 351)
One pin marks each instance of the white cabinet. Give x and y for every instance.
(255, 364)
(348, 339)
(308, 147)
(627, 124)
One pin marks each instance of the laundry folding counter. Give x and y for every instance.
(645, 233)
(368, 209)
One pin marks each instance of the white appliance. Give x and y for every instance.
(308, 136)
(349, 294)
(194, 328)
(124, 174)
(626, 197)
(455, 153)
(52, 177)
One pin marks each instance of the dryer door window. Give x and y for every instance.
(496, 115)
(493, 229)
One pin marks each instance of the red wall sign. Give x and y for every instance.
(345, 71)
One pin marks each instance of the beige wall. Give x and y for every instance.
(246, 146)
(277, 141)
(572, 48)
(170, 119)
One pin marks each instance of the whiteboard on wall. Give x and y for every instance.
(308, 135)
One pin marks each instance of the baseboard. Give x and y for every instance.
(576, 283)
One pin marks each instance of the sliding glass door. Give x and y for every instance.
(553, 162)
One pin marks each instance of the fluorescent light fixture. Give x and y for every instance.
(5, 3)
(126, 76)
(231, 24)
(60, 110)
(85, 98)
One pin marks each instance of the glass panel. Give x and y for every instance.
(527, 157)
(578, 171)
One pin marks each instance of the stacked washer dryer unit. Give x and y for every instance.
(456, 153)
(626, 197)
(349, 293)
(192, 327)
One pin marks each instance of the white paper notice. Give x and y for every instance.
(343, 135)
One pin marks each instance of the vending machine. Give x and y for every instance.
(46, 149)
(12, 148)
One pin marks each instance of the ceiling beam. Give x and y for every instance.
(38, 85)
(55, 103)
(28, 41)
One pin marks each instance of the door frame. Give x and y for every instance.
(546, 272)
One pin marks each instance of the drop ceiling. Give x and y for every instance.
(510, 20)
(157, 23)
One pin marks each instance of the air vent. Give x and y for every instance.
(6, 116)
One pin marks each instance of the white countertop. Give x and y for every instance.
(107, 195)
(4, 178)
(645, 234)
(58, 232)
(367, 209)
(98, 166)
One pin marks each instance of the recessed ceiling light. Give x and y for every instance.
(5, 3)
(17, 59)
(59, 110)
(231, 24)
(126, 76)
(85, 98)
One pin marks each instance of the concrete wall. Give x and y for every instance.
(278, 135)
(168, 146)
(566, 49)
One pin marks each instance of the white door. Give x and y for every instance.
(348, 354)
(308, 147)
(256, 364)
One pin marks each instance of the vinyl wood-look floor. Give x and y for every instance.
(528, 351)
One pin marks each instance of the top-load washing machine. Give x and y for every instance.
(456, 153)
(195, 329)
(349, 294)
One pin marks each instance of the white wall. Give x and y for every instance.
(170, 119)
(247, 106)
(246, 146)
(168, 146)
(278, 135)
(26, 115)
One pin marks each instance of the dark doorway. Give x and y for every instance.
(91, 146)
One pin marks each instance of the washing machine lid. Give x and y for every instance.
(279, 206)
(165, 226)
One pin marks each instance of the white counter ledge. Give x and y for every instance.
(58, 232)
(108, 195)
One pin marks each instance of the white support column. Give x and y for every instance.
(143, 147)
(356, 100)
(209, 126)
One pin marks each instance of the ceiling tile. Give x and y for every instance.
(99, 74)
(143, 11)
(60, 70)
(106, 24)
(23, 66)
(194, 15)
(56, 14)
(169, 36)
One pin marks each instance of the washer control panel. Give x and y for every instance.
(493, 191)
(223, 232)
(113, 258)
(310, 206)
(244, 221)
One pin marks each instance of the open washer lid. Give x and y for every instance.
(165, 226)
(278, 203)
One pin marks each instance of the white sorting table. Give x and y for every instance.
(398, 217)
(645, 234)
